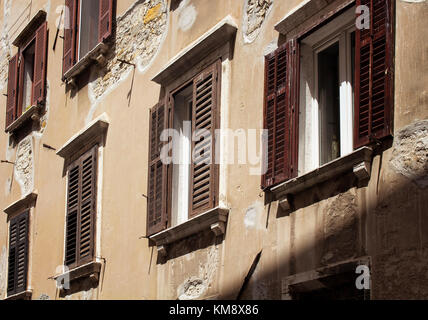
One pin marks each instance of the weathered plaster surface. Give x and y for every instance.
(3, 271)
(5, 48)
(410, 153)
(139, 34)
(24, 166)
(187, 15)
(255, 13)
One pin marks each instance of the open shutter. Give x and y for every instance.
(156, 212)
(106, 20)
(12, 88)
(204, 123)
(18, 254)
(39, 83)
(69, 35)
(81, 209)
(278, 115)
(374, 74)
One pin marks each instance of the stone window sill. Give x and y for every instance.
(32, 114)
(25, 295)
(214, 219)
(97, 55)
(27, 202)
(88, 271)
(358, 162)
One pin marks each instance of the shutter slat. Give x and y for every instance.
(374, 72)
(12, 88)
(40, 64)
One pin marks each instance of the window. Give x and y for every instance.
(87, 24)
(81, 210)
(328, 92)
(27, 76)
(187, 187)
(18, 254)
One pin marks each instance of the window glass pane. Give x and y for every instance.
(329, 103)
(89, 13)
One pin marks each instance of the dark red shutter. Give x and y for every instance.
(12, 88)
(204, 123)
(69, 35)
(40, 64)
(156, 211)
(278, 115)
(18, 254)
(105, 19)
(374, 74)
(81, 209)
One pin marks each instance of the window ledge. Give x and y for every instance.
(97, 54)
(97, 127)
(25, 295)
(214, 219)
(219, 35)
(358, 162)
(27, 202)
(90, 271)
(33, 114)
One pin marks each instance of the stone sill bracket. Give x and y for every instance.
(32, 114)
(214, 220)
(25, 295)
(89, 271)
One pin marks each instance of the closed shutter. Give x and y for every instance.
(69, 35)
(106, 19)
(81, 209)
(12, 88)
(204, 123)
(156, 212)
(18, 254)
(39, 82)
(374, 74)
(278, 115)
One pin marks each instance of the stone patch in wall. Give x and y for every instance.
(410, 153)
(24, 165)
(3, 271)
(5, 48)
(139, 34)
(255, 13)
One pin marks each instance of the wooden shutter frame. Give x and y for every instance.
(78, 163)
(12, 90)
(214, 70)
(361, 139)
(40, 64)
(17, 221)
(70, 35)
(154, 161)
(290, 90)
(105, 31)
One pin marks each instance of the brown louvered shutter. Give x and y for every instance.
(106, 19)
(40, 64)
(12, 88)
(18, 254)
(69, 35)
(374, 74)
(156, 211)
(204, 124)
(81, 209)
(279, 109)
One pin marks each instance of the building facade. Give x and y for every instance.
(186, 149)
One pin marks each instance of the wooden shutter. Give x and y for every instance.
(18, 254)
(81, 209)
(374, 74)
(12, 88)
(105, 20)
(279, 110)
(40, 64)
(204, 123)
(157, 219)
(69, 35)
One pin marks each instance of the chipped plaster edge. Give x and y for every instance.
(250, 39)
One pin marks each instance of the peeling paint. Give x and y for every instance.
(255, 14)
(253, 216)
(3, 271)
(5, 47)
(24, 165)
(187, 15)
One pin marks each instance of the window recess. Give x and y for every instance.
(26, 91)
(337, 97)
